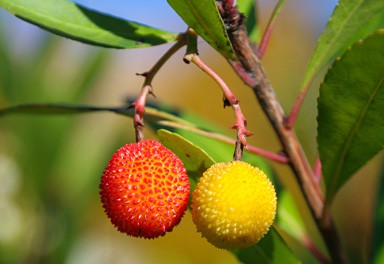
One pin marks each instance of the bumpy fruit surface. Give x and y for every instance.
(233, 205)
(144, 189)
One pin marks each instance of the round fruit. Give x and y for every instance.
(144, 189)
(233, 205)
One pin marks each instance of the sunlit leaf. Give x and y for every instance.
(195, 159)
(76, 22)
(350, 21)
(204, 17)
(350, 112)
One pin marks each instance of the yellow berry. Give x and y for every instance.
(233, 205)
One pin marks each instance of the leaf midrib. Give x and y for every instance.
(351, 136)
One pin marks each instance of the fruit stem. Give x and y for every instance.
(139, 103)
(249, 68)
(229, 97)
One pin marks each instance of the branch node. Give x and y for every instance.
(144, 74)
(140, 102)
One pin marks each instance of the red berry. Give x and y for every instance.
(144, 189)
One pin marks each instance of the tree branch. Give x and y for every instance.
(250, 70)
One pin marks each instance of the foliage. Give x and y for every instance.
(350, 115)
(350, 118)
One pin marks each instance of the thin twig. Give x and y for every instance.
(250, 70)
(229, 100)
(241, 122)
(139, 103)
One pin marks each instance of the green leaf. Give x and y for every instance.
(378, 220)
(204, 17)
(76, 22)
(195, 159)
(54, 109)
(351, 20)
(350, 112)
(270, 249)
(218, 150)
(248, 8)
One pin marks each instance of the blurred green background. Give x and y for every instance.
(50, 166)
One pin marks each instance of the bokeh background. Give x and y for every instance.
(50, 166)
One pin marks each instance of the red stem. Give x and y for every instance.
(139, 103)
(317, 170)
(240, 123)
(268, 31)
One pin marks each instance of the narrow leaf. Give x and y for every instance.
(152, 115)
(76, 22)
(350, 112)
(351, 20)
(204, 17)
